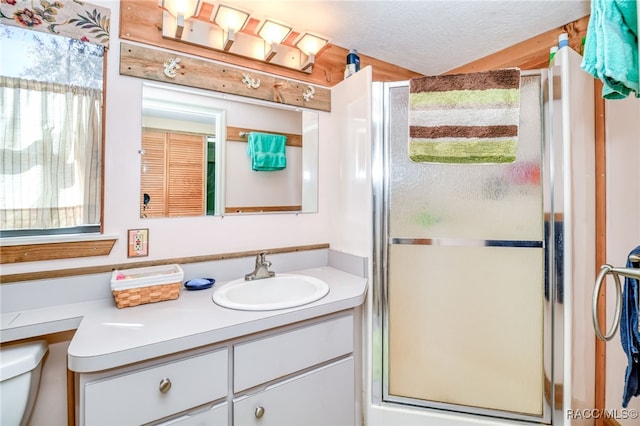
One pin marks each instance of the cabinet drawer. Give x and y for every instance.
(215, 416)
(136, 397)
(269, 358)
(321, 397)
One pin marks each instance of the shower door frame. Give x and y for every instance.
(552, 352)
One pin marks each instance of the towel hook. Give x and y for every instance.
(251, 83)
(604, 271)
(308, 93)
(171, 67)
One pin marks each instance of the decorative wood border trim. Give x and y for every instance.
(71, 398)
(143, 62)
(41, 275)
(233, 135)
(601, 242)
(52, 251)
(262, 209)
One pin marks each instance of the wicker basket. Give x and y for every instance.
(133, 287)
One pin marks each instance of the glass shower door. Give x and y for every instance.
(463, 325)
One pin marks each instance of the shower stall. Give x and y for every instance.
(482, 273)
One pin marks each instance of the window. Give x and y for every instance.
(50, 133)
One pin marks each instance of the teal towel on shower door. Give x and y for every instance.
(267, 151)
(611, 47)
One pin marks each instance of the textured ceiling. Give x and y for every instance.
(425, 36)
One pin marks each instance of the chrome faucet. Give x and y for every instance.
(262, 268)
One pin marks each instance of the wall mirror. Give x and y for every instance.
(195, 159)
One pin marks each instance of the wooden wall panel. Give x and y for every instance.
(148, 63)
(233, 135)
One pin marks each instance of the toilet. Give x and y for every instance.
(20, 368)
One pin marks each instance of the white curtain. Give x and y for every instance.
(50, 155)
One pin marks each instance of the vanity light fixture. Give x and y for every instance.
(231, 20)
(182, 10)
(310, 44)
(230, 29)
(273, 33)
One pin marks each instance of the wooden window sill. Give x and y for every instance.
(32, 249)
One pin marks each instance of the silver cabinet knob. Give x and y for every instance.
(259, 412)
(165, 385)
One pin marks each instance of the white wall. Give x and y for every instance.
(249, 188)
(351, 201)
(623, 226)
(351, 216)
(178, 237)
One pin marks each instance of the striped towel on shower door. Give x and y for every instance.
(465, 118)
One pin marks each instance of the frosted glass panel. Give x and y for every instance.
(465, 326)
(477, 201)
(465, 274)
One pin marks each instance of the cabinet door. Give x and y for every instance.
(325, 396)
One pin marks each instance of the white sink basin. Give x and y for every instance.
(279, 292)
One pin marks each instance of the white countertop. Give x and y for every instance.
(109, 337)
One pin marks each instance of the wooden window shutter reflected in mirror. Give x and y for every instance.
(173, 174)
(153, 174)
(186, 174)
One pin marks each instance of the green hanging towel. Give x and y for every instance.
(267, 151)
(465, 118)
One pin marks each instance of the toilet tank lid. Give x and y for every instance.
(21, 358)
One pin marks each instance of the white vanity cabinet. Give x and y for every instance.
(300, 374)
(150, 392)
(303, 376)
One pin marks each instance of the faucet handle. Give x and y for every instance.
(261, 257)
(262, 268)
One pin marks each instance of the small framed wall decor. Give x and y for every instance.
(138, 242)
